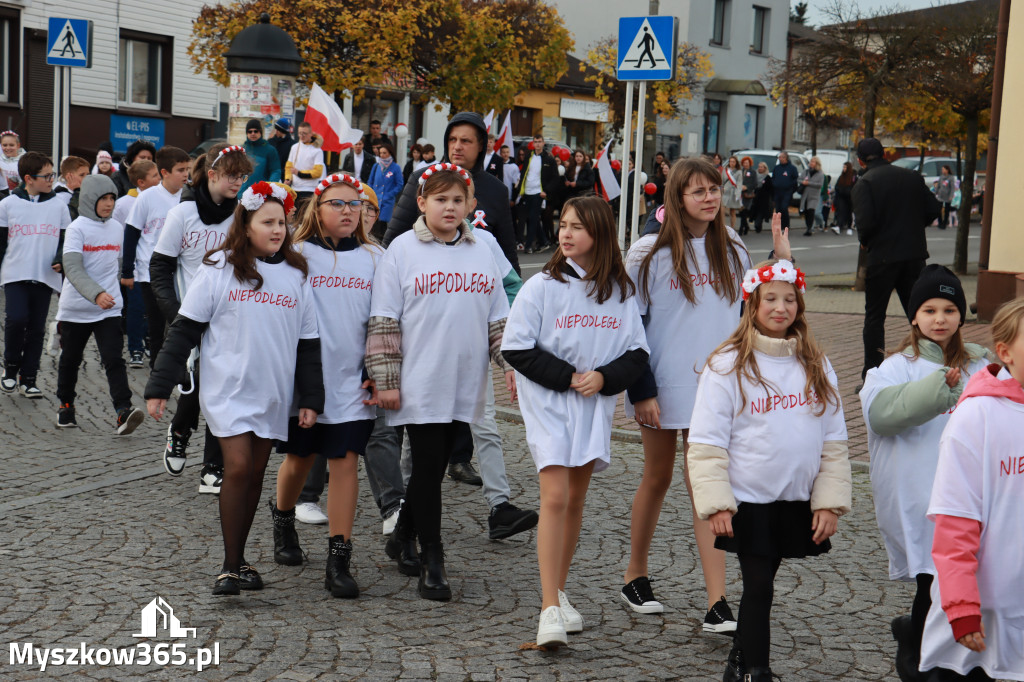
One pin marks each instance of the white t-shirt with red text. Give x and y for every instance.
(100, 246)
(903, 468)
(682, 334)
(148, 216)
(249, 347)
(443, 297)
(33, 233)
(185, 237)
(564, 428)
(342, 284)
(980, 476)
(772, 434)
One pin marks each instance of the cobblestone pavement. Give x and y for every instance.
(94, 530)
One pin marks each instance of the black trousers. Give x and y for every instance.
(155, 318)
(110, 340)
(26, 306)
(186, 418)
(881, 280)
(431, 445)
(462, 450)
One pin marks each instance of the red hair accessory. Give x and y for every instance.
(451, 167)
(254, 197)
(10, 132)
(335, 179)
(782, 271)
(227, 150)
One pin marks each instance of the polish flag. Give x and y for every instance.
(505, 136)
(488, 120)
(324, 115)
(609, 185)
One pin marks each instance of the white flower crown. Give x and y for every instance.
(254, 197)
(782, 271)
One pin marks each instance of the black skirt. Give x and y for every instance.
(776, 530)
(333, 441)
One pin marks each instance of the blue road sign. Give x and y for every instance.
(647, 48)
(69, 42)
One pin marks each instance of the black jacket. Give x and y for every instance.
(491, 198)
(549, 177)
(349, 164)
(495, 166)
(283, 146)
(551, 372)
(121, 180)
(892, 207)
(584, 182)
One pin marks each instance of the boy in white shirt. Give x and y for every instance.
(142, 231)
(90, 303)
(31, 232)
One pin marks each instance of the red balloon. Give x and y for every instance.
(565, 154)
(650, 188)
(529, 145)
(616, 165)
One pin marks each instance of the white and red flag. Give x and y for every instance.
(488, 120)
(505, 136)
(324, 115)
(609, 185)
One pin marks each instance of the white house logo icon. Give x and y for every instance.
(158, 610)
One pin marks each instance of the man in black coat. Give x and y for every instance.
(465, 141)
(537, 185)
(892, 207)
(282, 140)
(365, 158)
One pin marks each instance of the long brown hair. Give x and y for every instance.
(808, 352)
(313, 226)
(238, 251)
(722, 250)
(233, 163)
(606, 267)
(953, 355)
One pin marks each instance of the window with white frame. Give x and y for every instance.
(759, 40)
(800, 128)
(139, 69)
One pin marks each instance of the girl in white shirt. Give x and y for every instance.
(907, 401)
(574, 332)
(252, 308)
(975, 626)
(438, 310)
(688, 285)
(341, 263)
(10, 145)
(768, 457)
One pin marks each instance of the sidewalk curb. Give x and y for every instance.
(510, 414)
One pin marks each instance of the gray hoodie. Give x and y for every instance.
(94, 188)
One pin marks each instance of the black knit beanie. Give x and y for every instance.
(254, 124)
(937, 281)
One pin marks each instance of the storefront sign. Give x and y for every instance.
(584, 110)
(127, 129)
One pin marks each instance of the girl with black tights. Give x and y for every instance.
(249, 302)
(768, 458)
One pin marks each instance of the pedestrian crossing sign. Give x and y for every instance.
(647, 48)
(69, 42)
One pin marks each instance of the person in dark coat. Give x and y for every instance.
(491, 194)
(366, 160)
(579, 176)
(761, 209)
(892, 206)
(282, 140)
(140, 149)
(784, 183)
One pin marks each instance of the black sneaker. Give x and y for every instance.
(66, 416)
(210, 479)
(720, 618)
(464, 473)
(128, 419)
(506, 520)
(136, 359)
(9, 382)
(638, 594)
(174, 452)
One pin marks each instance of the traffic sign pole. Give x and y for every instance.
(638, 166)
(624, 175)
(61, 112)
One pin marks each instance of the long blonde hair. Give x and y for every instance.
(313, 226)
(808, 352)
(1007, 323)
(722, 250)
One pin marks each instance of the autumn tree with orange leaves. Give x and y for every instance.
(474, 54)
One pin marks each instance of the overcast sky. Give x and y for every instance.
(816, 18)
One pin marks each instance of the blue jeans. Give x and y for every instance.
(134, 319)
(27, 305)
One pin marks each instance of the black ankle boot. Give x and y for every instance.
(339, 581)
(758, 675)
(401, 547)
(433, 579)
(287, 551)
(735, 668)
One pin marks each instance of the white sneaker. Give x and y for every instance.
(849, 230)
(570, 617)
(551, 630)
(309, 512)
(9, 384)
(391, 521)
(835, 228)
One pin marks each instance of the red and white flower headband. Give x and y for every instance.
(254, 197)
(438, 167)
(227, 150)
(9, 132)
(782, 271)
(335, 179)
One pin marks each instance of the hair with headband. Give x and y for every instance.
(780, 271)
(224, 152)
(257, 195)
(336, 178)
(440, 177)
(10, 132)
